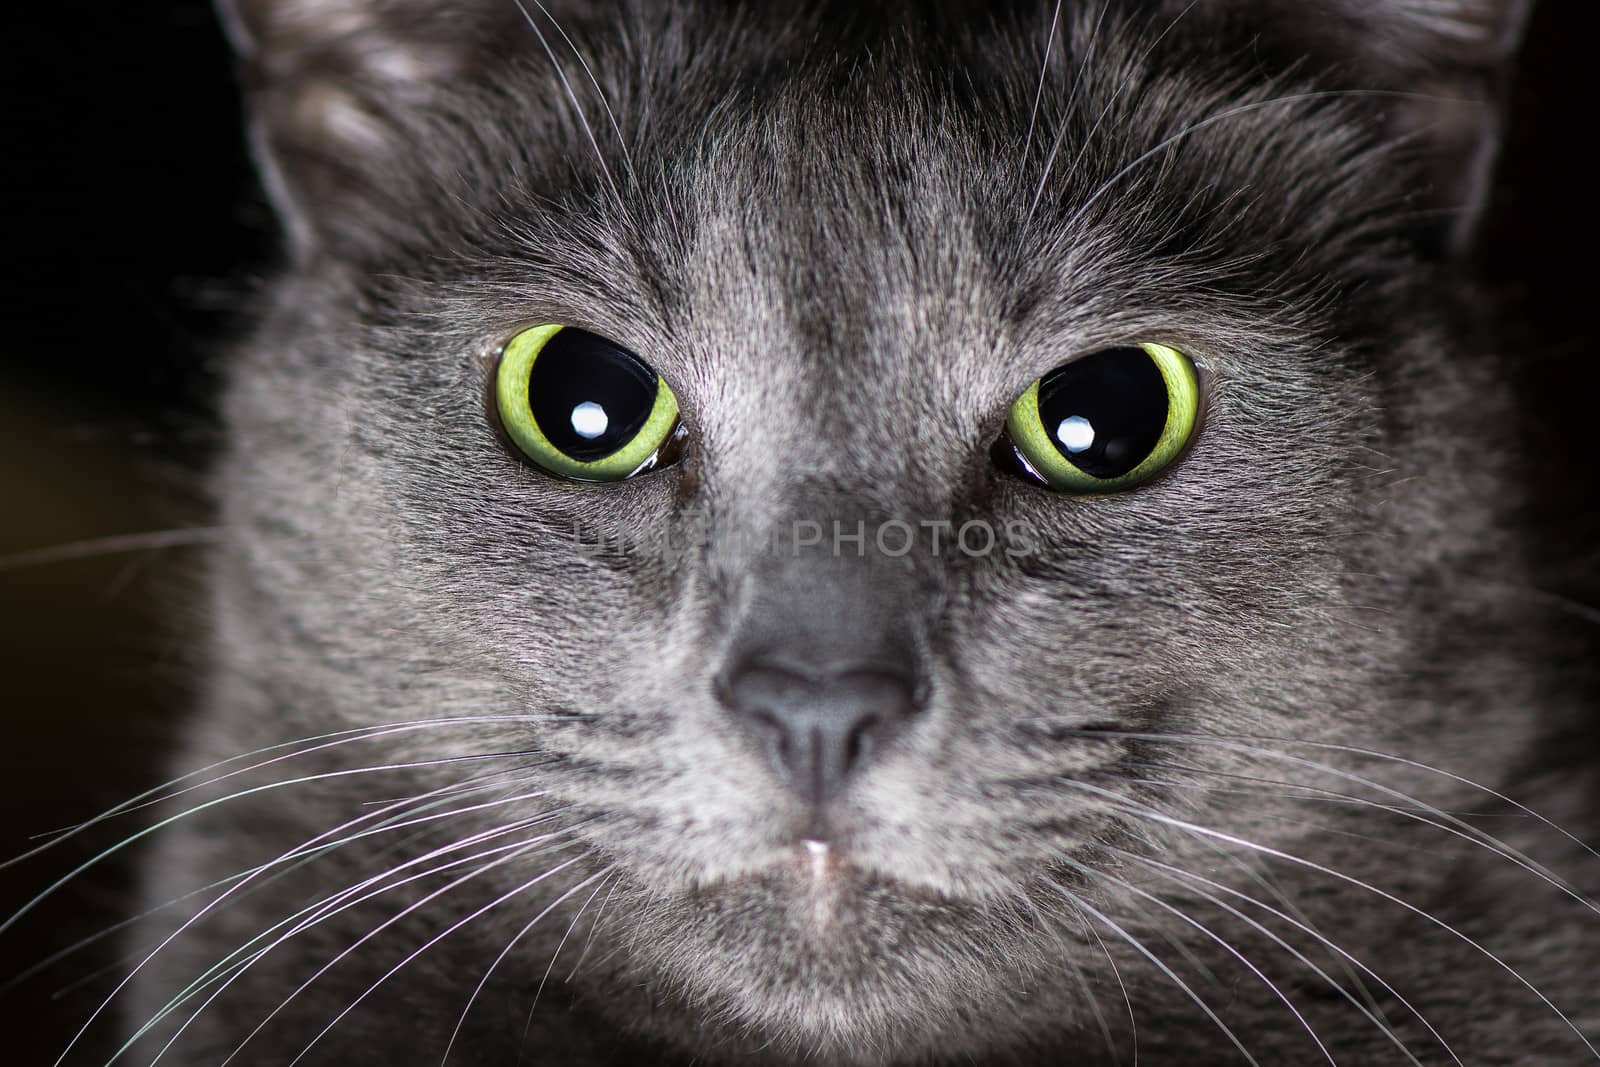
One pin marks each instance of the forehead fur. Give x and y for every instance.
(369, 108)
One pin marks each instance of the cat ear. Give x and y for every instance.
(1450, 62)
(331, 85)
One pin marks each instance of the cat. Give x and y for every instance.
(942, 533)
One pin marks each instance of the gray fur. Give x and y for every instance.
(848, 240)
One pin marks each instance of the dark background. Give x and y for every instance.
(133, 240)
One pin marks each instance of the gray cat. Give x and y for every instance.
(946, 533)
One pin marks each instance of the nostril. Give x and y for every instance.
(782, 745)
(771, 735)
(858, 745)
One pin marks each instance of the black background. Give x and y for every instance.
(134, 232)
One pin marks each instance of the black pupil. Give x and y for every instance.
(589, 396)
(1105, 412)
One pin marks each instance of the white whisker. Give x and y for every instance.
(572, 98)
(512, 943)
(1222, 942)
(237, 886)
(1425, 813)
(517, 891)
(1177, 873)
(1055, 147)
(233, 966)
(1044, 70)
(1133, 808)
(1160, 965)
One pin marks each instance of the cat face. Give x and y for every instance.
(852, 797)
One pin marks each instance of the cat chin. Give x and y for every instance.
(838, 964)
(835, 967)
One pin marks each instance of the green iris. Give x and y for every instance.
(1106, 421)
(582, 407)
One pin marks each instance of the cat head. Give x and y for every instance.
(858, 253)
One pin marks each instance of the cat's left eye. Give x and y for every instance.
(1103, 422)
(584, 408)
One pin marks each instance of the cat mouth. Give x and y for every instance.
(822, 873)
(818, 892)
(826, 876)
(813, 866)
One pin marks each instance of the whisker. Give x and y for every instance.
(1160, 965)
(1420, 812)
(1178, 873)
(1375, 840)
(309, 856)
(521, 850)
(1222, 116)
(1089, 995)
(1212, 935)
(131, 958)
(506, 951)
(588, 942)
(1450, 823)
(412, 813)
(295, 853)
(611, 117)
(1253, 873)
(572, 98)
(118, 543)
(573, 925)
(1133, 808)
(524, 887)
(223, 973)
(1055, 147)
(155, 795)
(1127, 1000)
(1441, 772)
(139, 835)
(1044, 70)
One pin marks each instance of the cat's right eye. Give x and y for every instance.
(1103, 422)
(583, 408)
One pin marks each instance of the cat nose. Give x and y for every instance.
(818, 727)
